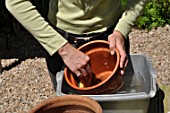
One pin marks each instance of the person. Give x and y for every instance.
(75, 22)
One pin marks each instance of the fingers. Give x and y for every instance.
(85, 74)
(76, 61)
(122, 71)
(85, 77)
(123, 59)
(88, 69)
(78, 73)
(82, 64)
(81, 78)
(83, 70)
(112, 44)
(116, 40)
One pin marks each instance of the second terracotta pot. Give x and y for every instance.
(68, 104)
(105, 68)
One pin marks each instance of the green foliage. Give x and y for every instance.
(155, 14)
(124, 3)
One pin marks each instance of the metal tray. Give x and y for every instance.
(139, 82)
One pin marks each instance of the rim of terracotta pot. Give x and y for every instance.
(67, 100)
(104, 81)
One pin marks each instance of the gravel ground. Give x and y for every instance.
(25, 82)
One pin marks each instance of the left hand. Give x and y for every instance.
(117, 40)
(77, 62)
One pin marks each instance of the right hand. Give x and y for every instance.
(77, 62)
(117, 40)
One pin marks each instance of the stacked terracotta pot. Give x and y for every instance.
(105, 67)
(68, 104)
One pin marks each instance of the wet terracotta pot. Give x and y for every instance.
(105, 67)
(68, 104)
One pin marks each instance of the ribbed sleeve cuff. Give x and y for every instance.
(123, 28)
(133, 10)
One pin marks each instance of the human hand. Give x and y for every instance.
(116, 40)
(77, 62)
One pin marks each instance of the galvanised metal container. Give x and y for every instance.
(139, 87)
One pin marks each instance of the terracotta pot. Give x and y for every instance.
(105, 68)
(68, 104)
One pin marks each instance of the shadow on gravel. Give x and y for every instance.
(19, 44)
(15, 41)
(14, 64)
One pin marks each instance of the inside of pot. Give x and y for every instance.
(102, 65)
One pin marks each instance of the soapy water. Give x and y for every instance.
(136, 85)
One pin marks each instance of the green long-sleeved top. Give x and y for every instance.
(74, 16)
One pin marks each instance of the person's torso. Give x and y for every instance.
(84, 16)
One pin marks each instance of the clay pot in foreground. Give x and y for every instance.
(68, 104)
(105, 67)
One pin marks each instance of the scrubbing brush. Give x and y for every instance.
(81, 85)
